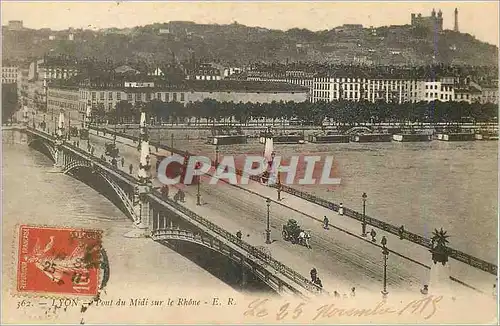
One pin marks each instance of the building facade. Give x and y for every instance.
(9, 74)
(489, 94)
(66, 98)
(228, 91)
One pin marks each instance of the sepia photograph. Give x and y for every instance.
(260, 162)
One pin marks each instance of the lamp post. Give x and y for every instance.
(69, 124)
(33, 113)
(268, 230)
(363, 223)
(172, 144)
(279, 185)
(198, 179)
(216, 155)
(385, 252)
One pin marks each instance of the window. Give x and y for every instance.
(174, 97)
(110, 95)
(93, 96)
(158, 96)
(118, 96)
(129, 97)
(167, 97)
(182, 97)
(101, 96)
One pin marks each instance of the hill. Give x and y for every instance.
(238, 44)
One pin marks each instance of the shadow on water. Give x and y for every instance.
(38, 146)
(220, 266)
(96, 181)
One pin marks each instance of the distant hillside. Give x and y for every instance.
(239, 44)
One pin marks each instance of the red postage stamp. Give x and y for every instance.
(58, 260)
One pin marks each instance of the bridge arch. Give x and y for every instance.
(51, 151)
(129, 206)
(170, 234)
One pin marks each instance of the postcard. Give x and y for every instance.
(249, 162)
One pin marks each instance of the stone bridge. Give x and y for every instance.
(170, 222)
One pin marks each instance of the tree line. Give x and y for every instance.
(344, 112)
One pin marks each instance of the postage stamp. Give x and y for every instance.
(58, 260)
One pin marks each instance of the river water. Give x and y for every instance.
(32, 194)
(423, 186)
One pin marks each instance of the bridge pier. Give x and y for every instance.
(244, 274)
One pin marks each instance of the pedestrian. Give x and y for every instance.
(353, 292)
(123, 161)
(78, 143)
(341, 209)
(325, 223)
(401, 232)
(494, 290)
(102, 157)
(336, 294)
(130, 168)
(425, 290)
(314, 274)
(238, 234)
(318, 282)
(373, 235)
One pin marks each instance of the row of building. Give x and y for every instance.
(395, 90)
(54, 87)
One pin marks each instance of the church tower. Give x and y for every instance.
(456, 20)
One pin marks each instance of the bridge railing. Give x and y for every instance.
(273, 263)
(404, 234)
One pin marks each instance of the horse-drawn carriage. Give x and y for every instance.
(164, 191)
(84, 134)
(293, 233)
(73, 131)
(111, 150)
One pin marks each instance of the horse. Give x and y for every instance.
(304, 239)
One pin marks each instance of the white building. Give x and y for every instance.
(9, 74)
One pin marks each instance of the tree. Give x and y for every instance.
(440, 251)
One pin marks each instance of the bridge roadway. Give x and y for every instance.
(279, 276)
(342, 257)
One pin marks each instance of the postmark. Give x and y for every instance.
(55, 260)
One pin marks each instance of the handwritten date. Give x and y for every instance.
(425, 307)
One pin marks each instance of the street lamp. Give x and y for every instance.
(385, 252)
(268, 230)
(279, 185)
(172, 144)
(198, 190)
(363, 223)
(216, 155)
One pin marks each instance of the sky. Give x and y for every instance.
(477, 18)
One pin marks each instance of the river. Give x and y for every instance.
(423, 186)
